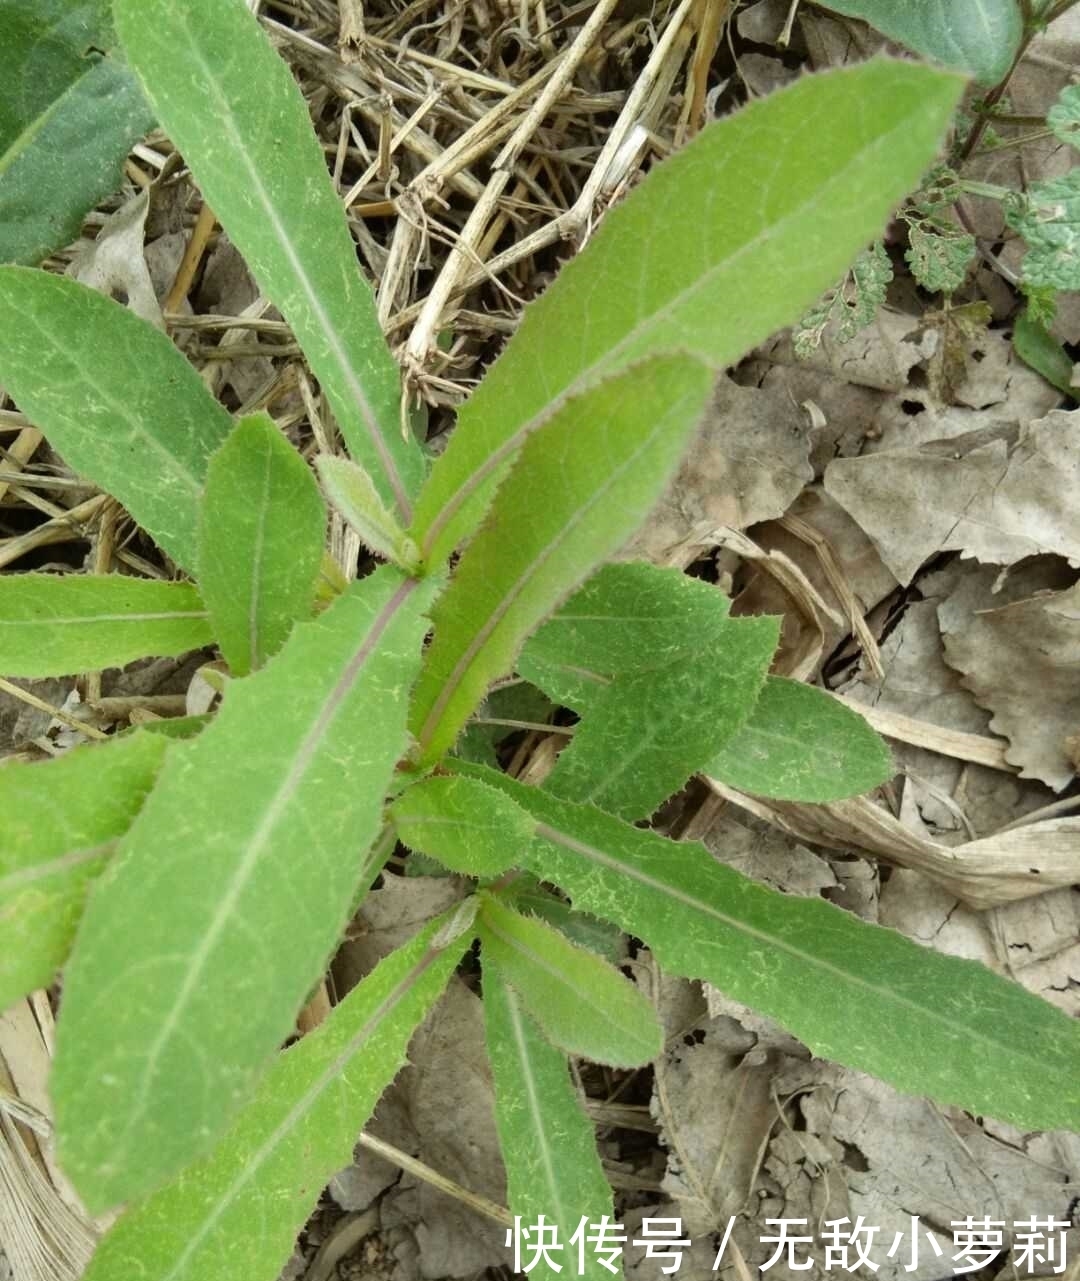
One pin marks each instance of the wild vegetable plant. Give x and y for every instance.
(194, 888)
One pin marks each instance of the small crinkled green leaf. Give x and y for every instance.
(849, 307)
(552, 1166)
(1048, 218)
(228, 894)
(237, 1212)
(857, 993)
(939, 255)
(980, 36)
(114, 397)
(58, 625)
(62, 819)
(69, 113)
(466, 825)
(262, 528)
(584, 1005)
(799, 744)
(712, 253)
(646, 732)
(231, 106)
(1064, 116)
(579, 489)
(1037, 347)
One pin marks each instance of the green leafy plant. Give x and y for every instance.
(988, 40)
(194, 890)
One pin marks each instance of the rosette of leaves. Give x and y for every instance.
(193, 891)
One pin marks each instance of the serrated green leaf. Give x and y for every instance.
(114, 396)
(1064, 116)
(69, 114)
(229, 893)
(626, 617)
(939, 255)
(62, 819)
(236, 1213)
(980, 36)
(58, 625)
(1048, 218)
(710, 254)
(351, 492)
(231, 106)
(468, 826)
(853, 992)
(584, 1005)
(548, 1145)
(579, 489)
(801, 745)
(1037, 347)
(851, 306)
(262, 527)
(648, 731)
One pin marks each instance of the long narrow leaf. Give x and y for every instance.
(261, 534)
(114, 396)
(219, 912)
(236, 1214)
(53, 625)
(62, 819)
(727, 241)
(580, 488)
(857, 993)
(547, 1141)
(229, 103)
(584, 1005)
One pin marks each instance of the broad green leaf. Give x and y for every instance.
(62, 820)
(235, 1215)
(853, 992)
(232, 107)
(547, 1141)
(1036, 346)
(262, 527)
(710, 254)
(218, 914)
(466, 825)
(979, 36)
(627, 617)
(646, 732)
(801, 745)
(69, 114)
(584, 1005)
(579, 489)
(114, 396)
(57, 625)
(351, 492)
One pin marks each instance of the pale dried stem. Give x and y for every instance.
(464, 254)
